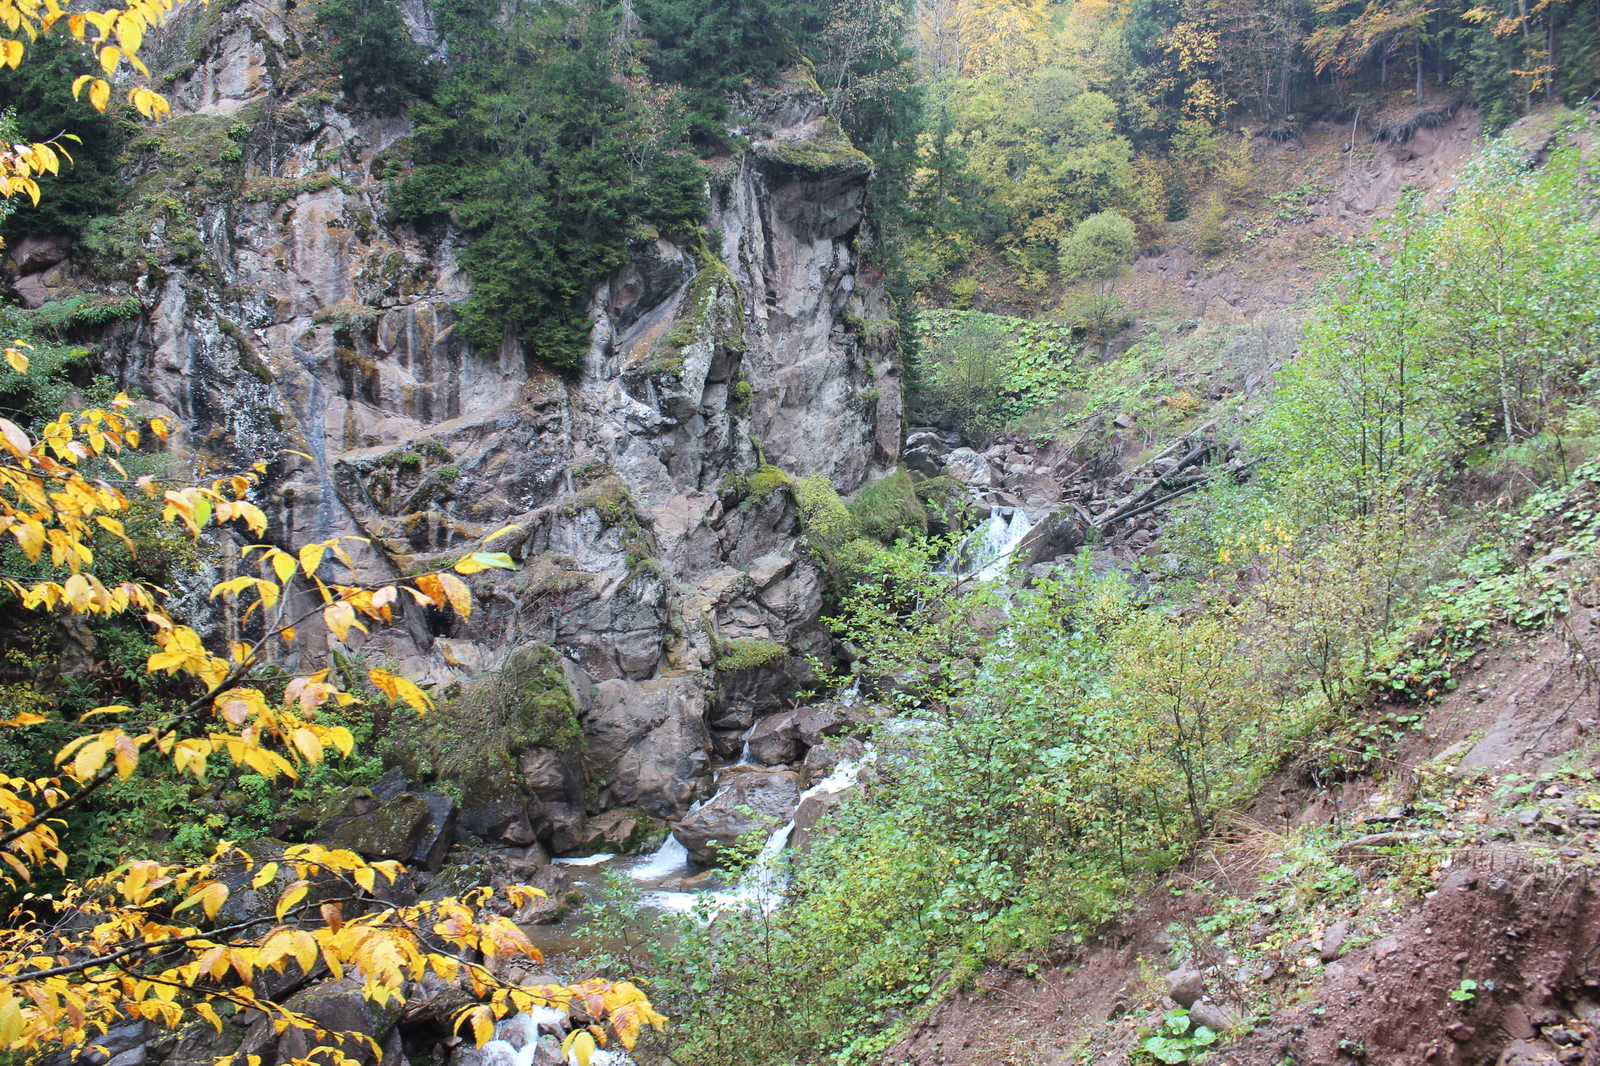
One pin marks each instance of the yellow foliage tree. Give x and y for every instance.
(114, 34)
(144, 941)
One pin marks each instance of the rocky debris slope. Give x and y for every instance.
(284, 316)
(1071, 495)
(1443, 913)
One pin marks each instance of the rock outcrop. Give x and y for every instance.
(285, 318)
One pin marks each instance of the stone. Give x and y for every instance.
(969, 468)
(822, 757)
(440, 832)
(391, 784)
(494, 809)
(561, 825)
(814, 724)
(622, 831)
(748, 801)
(394, 830)
(1333, 940)
(338, 1007)
(1527, 1053)
(812, 810)
(1185, 985)
(775, 740)
(550, 775)
(647, 743)
(1212, 1015)
(1057, 534)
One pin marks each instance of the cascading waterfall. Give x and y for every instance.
(517, 1040)
(765, 882)
(986, 551)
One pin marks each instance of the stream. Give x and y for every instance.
(659, 874)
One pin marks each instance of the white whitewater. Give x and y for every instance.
(766, 880)
(986, 551)
(516, 1040)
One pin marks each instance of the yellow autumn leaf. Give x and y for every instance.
(479, 561)
(459, 595)
(109, 57)
(100, 96)
(14, 357)
(267, 872)
(311, 557)
(294, 894)
(398, 688)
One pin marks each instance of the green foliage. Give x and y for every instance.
(550, 158)
(1457, 329)
(60, 316)
(714, 47)
(375, 52)
(989, 369)
(1178, 1039)
(1099, 247)
(43, 109)
(832, 533)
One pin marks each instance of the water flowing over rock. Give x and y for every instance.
(292, 321)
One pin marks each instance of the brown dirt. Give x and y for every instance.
(1514, 909)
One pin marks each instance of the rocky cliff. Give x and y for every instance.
(284, 317)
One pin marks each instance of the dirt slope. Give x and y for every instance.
(1472, 854)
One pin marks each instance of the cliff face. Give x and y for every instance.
(288, 320)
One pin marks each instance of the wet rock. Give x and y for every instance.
(494, 809)
(775, 741)
(560, 825)
(1057, 534)
(822, 757)
(647, 743)
(337, 1007)
(748, 801)
(815, 724)
(624, 831)
(812, 810)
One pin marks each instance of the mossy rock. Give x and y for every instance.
(743, 653)
(767, 479)
(829, 154)
(392, 830)
(889, 507)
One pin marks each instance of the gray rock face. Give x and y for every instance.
(751, 801)
(295, 319)
(648, 744)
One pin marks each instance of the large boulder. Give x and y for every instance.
(339, 1008)
(969, 468)
(749, 801)
(647, 744)
(623, 831)
(494, 809)
(1057, 534)
(554, 783)
(776, 739)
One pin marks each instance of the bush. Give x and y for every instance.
(1099, 247)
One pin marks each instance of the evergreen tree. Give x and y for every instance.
(1579, 76)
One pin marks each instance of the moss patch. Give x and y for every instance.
(829, 154)
(889, 507)
(767, 479)
(742, 654)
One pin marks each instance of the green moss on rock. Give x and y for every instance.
(889, 507)
(742, 654)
